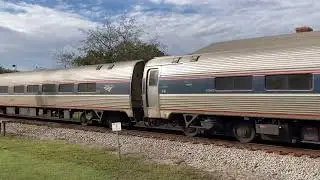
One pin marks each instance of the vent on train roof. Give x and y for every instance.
(176, 59)
(111, 66)
(99, 67)
(195, 58)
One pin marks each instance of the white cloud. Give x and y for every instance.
(156, 1)
(186, 2)
(226, 20)
(32, 33)
(180, 2)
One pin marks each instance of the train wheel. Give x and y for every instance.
(244, 132)
(83, 120)
(87, 118)
(191, 132)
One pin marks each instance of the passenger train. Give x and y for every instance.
(266, 91)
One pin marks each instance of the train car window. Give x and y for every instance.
(4, 89)
(87, 87)
(224, 83)
(243, 83)
(153, 78)
(49, 88)
(300, 82)
(276, 82)
(66, 87)
(32, 88)
(289, 82)
(233, 83)
(18, 89)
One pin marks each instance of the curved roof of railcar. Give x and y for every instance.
(121, 71)
(287, 55)
(283, 40)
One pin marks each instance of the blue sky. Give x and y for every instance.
(31, 31)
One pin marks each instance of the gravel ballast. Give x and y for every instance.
(228, 163)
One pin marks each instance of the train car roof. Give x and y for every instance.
(245, 46)
(118, 70)
(105, 66)
(293, 39)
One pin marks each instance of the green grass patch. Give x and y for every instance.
(25, 158)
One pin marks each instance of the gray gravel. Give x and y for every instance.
(228, 163)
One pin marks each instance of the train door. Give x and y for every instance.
(152, 95)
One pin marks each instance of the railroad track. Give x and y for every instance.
(312, 152)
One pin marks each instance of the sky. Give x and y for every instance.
(32, 31)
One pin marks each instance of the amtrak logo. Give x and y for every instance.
(108, 88)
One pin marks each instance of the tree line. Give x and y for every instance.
(5, 70)
(114, 41)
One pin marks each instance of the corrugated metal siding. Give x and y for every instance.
(102, 102)
(289, 58)
(120, 72)
(256, 105)
(256, 61)
(277, 41)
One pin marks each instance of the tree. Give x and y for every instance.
(113, 42)
(4, 70)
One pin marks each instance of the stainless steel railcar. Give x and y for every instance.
(270, 91)
(84, 93)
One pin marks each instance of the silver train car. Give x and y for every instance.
(266, 90)
(82, 93)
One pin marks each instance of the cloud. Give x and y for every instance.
(214, 21)
(180, 2)
(29, 33)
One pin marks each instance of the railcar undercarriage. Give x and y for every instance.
(244, 129)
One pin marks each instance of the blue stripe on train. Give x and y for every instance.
(207, 85)
(186, 86)
(113, 88)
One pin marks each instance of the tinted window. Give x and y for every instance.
(48, 88)
(18, 89)
(66, 87)
(244, 82)
(32, 88)
(4, 89)
(87, 87)
(234, 83)
(153, 78)
(289, 82)
(223, 83)
(276, 82)
(300, 82)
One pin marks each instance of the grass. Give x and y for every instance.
(25, 158)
